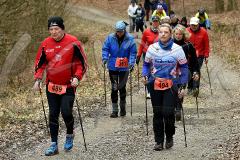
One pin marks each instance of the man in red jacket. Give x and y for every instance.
(63, 58)
(149, 37)
(199, 39)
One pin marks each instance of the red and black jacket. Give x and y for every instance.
(62, 60)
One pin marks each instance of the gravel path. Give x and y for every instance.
(125, 138)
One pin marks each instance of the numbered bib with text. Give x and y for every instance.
(162, 84)
(121, 62)
(57, 89)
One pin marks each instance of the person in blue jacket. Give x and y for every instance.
(164, 70)
(155, 3)
(119, 54)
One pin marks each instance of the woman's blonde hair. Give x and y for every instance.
(181, 28)
(166, 25)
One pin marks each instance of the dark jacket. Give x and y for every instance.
(147, 5)
(140, 14)
(190, 54)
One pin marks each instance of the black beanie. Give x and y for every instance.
(56, 21)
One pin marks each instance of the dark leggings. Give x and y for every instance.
(139, 26)
(118, 80)
(163, 103)
(195, 84)
(63, 103)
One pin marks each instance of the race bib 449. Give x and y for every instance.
(57, 89)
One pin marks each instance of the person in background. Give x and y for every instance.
(140, 14)
(180, 37)
(199, 39)
(174, 19)
(131, 10)
(165, 19)
(184, 22)
(147, 7)
(62, 57)
(159, 12)
(164, 4)
(150, 36)
(159, 71)
(203, 18)
(119, 54)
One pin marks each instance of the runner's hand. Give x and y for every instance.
(74, 82)
(37, 85)
(181, 93)
(206, 60)
(104, 62)
(144, 80)
(195, 76)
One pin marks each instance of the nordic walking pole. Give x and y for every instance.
(105, 87)
(131, 90)
(184, 129)
(209, 79)
(80, 120)
(138, 77)
(146, 109)
(197, 106)
(40, 91)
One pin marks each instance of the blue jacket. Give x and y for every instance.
(111, 50)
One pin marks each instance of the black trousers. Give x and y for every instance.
(195, 84)
(163, 103)
(118, 80)
(64, 104)
(139, 26)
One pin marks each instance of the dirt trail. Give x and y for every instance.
(125, 138)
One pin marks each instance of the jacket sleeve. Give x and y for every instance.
(79, 61)
(133, 52)
(106, 49)
(164, 14)
(142, 44)
(40, 62)
(206, 45)
(146, 69)
(183, 66)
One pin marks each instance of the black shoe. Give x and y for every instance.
(122, 108)
(123, 112)
(158, 147)
(178, 115)
(114, 115)
(169, 143)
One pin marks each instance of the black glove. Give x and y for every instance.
(138, 59)
(104, 62)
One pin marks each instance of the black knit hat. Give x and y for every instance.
(56, 21)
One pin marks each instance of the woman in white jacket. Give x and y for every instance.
(131, 10)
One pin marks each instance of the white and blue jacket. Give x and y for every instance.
(169, 64)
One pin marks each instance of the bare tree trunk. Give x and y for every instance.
(232, 5)
(219, 6)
